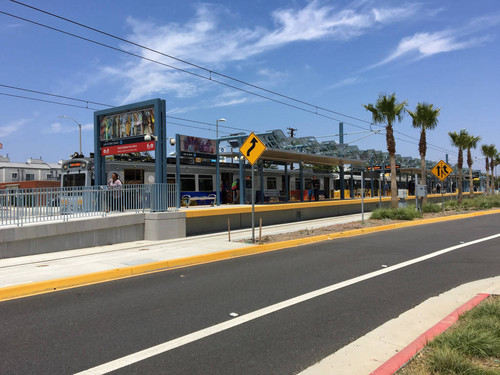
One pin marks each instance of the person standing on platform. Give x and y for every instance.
(315, 187)
(115, 186)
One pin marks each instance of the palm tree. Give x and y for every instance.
(471, 142)
(425, 117)
(459, 140)
(489, 152)
(386, 111)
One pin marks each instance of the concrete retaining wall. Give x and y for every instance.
(43, 238)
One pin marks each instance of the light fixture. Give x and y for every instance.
(149, 137)
(217, 126)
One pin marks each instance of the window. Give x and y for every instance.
(48, 176)
(187, 182)
(30, 176)
(14, 175)
(271, 183)
(133, 176)
(205, 182)
(75, 179)
(171, 178)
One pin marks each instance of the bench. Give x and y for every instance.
(188, 198)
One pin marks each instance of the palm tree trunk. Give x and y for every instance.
(492, 166)
(423, 175)
(460, 176)
(394, 185)
(471, 183)
(487, 176)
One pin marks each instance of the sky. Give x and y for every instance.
(330, 56)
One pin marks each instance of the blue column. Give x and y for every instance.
(342, 188)
(99, 161)
(352, 183)
(287, 190)
(178, 168)
(261, 170)
(217, 173)
(160, 144)
(301, 176)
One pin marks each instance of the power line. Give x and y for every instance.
(95, 109)
(47, 101)
(211, 72)
(179, 69)
(54, 95)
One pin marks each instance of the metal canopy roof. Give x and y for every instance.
(316, 159)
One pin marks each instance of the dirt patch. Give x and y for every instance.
(304, 233)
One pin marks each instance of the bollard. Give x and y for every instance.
(260, 229)
(229, 229)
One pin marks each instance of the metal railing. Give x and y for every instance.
(20, 206)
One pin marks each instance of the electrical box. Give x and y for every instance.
(402, 193)
(421, 191)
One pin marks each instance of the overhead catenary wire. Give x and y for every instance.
(210, 71)
(47, 101)
(179, 69)
(96, 109)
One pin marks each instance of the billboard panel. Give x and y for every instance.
(128, 124)
(197, 147)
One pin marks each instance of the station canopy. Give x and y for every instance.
(309, 150)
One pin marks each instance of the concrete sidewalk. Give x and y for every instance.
(42, 267)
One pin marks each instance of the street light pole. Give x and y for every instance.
(217, 126)
(79, 129)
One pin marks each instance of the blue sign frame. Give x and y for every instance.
(159, 107)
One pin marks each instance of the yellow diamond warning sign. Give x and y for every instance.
(253, 148)
(441, 170)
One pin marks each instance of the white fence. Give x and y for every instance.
(21, 206)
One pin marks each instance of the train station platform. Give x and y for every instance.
(115, 228)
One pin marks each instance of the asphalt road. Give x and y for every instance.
(77, 329)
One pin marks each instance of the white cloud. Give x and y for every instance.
(12, 127)
(425, 44)
(346, 82)
(58, 128)
(205, 40)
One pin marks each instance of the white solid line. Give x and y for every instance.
(180, 341)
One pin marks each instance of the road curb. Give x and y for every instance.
(24, 290)
(404, 356)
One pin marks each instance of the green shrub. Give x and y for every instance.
(431, 207)
(407, 213)
(450, 205)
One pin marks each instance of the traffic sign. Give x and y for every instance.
(252, 148)
(441, 170)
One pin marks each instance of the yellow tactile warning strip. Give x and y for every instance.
(24, 290)
(237, 209)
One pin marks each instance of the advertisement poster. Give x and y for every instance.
(128, 124)
(197, 147)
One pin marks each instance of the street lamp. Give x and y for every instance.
(80, 130)
(217, 126)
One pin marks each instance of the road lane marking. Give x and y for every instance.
(195, 336)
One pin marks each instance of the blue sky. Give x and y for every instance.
(337, 55)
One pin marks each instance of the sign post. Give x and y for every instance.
(442, 170)
(252, 149)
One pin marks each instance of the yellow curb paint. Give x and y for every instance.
(235, 210)
(24, 290)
